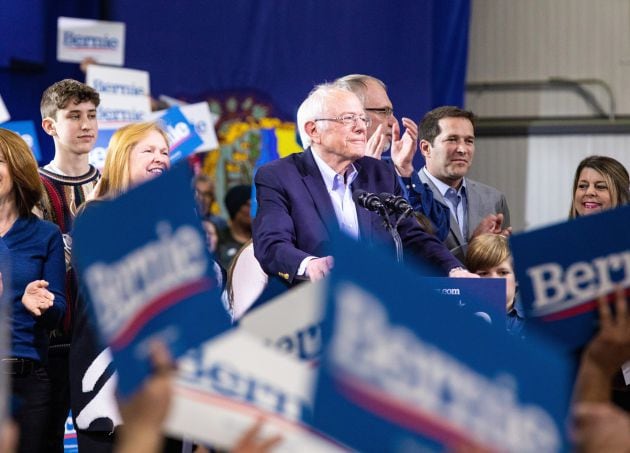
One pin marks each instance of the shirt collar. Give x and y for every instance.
(518, 306)
(330, 176)
(443, 187)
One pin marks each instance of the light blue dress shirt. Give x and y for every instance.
(338, 188)
(340, 193)
(456, 201)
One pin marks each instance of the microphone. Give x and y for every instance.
(395, 203)
(372, 202)
(367, 200)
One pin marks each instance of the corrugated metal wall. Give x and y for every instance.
(535, 40)
(541, 39)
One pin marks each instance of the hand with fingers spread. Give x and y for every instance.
(376, 144)
(37, 299)
(404, 148)
(318, 268)
(250, 442)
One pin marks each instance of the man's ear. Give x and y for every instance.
(48, 124)
(425, 148)
(312, 131)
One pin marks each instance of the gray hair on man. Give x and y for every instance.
(357, 83)
(315, 105)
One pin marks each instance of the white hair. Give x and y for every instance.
(315, 105)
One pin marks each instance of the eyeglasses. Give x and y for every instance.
(348, 119)
(385, 111)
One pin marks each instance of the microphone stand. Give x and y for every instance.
(393, 230)
(403, 216)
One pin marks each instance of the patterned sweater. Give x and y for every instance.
(62, 197)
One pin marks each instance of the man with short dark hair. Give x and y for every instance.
(238, 204)
(447, 141)
(305, 197)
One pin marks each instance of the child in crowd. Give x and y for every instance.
(489, 256)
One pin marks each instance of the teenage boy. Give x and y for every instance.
(68, 111)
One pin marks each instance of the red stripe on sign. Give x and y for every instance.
(251, 410)
(589, 305)
(410, 417)
(158, 305)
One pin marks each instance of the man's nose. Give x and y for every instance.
(359, 125)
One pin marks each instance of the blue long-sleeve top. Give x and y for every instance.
(35, 251)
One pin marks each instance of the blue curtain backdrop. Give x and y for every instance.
(279, 48)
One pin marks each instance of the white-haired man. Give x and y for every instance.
(305, 197)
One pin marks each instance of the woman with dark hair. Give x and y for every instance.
(35, 287)
(600, 183)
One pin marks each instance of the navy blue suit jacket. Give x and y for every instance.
(296, 218)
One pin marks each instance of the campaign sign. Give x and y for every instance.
(563, 269)
(171, 101)
(291, 322)
(143, 260)
(4, 113)
(482, 297)
(26, 129)
(198, 115)
(99, 152)
(121, 81)
(181, 133)
(201, 118)
(226, 384)
(78, 39)
(419, 374)
(117, 110)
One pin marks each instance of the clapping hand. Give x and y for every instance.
(404, 148)
(37, 299)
